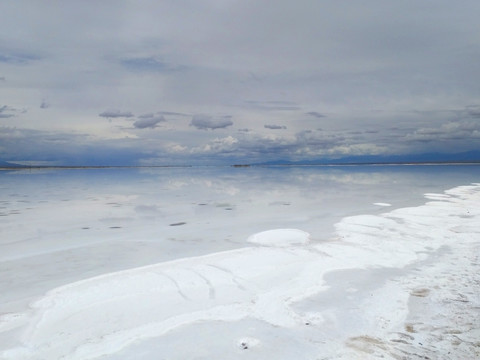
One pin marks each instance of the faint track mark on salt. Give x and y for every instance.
(211, 288)
(179, 289)
(232, 275)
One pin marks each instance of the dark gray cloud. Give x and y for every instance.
(275, 127)
(150, 64)
(206, 122)
(148, 122)
(110, 114)
(315, 114)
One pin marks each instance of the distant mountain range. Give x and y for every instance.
(6, 164)
(436, 158)
(465, 157)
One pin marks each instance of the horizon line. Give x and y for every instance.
(239, 165)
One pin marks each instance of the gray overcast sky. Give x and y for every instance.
(222, 81)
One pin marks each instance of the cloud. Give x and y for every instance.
(206, 122)
(44, 105)
(110, 114)
(150, 64)
(315, 114)
(273, 105)
(275, 127)
(172, 113)
(17, 58)
(5, 112)
(67, 148)
(176, 148)
(459, 131)
(148, 122)
(357, 150)
(319, 139)
(473, 111)
(220, 145)
(146, 116)
(314, 65)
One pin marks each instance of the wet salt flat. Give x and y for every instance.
(201, 263)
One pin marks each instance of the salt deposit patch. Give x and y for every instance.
(382, 204)
(280, 237)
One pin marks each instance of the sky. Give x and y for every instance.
(146, 82)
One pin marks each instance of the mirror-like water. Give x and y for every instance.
(59, 226)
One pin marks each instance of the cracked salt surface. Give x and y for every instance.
(402, 284)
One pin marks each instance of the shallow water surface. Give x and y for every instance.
(59, 226)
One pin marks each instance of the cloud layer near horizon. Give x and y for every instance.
(151, 82)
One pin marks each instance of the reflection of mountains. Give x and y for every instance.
(7, 165)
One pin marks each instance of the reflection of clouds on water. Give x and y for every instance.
(218, 186)
(146, 208)
(220, 206)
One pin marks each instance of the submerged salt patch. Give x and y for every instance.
(280, 237)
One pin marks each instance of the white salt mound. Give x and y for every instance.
(280, 238)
